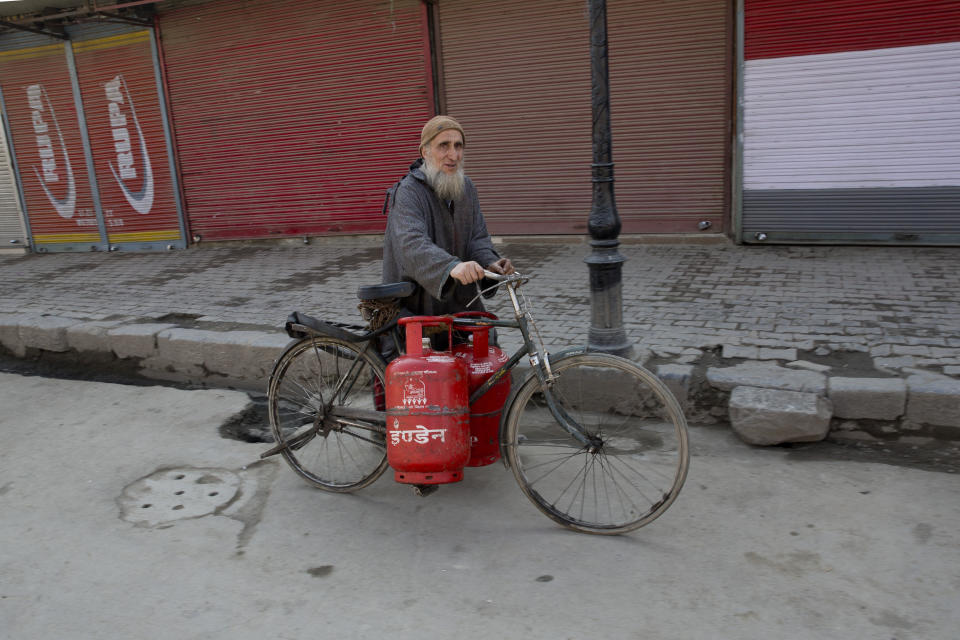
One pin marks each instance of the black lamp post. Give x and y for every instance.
(605, 262)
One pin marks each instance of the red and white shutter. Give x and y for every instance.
(293, 118)
(851, 121)
(47, 142)
(124, 116)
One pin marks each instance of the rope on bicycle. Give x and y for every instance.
(378, 313)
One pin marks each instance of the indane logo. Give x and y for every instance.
(48, 173)
(118, 97)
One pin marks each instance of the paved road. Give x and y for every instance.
(762, 543)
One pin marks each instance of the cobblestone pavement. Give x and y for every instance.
(899, 305)
(790, 344)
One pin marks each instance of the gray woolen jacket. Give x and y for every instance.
(425, 239)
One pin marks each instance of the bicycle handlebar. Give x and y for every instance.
(499, 277)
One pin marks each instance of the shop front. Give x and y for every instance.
(850, 122)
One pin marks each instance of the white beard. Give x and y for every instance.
(447, 186)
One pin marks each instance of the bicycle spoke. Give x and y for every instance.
(617, 471)
(570, 484)
(651, 468)
(623, 496)
(553, 458)
(306, 394)
(555, 467)
(356, 366)
(381, 444)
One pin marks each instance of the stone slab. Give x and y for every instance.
(677, 378)
(766, 375)
(246, 355)
(933, 400)
(740, 351)
(894, 363)
(10, 333)
(870, 398)
(178, 355)
(136, 340)
(767, 353)
(91, 336)
(233, 355)
(48, 333)
(809, 366)
(774, 416)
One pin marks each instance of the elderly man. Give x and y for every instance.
(436, 236)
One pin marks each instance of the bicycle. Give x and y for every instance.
(598, 443)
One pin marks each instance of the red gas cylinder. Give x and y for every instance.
(482, 362)
(428, 419)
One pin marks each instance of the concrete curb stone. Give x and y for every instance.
(766, 375)
(933, 401)
(774, 416)
(239, 357)
(10, 332)
(91, 336)
(243, 354)
(677, 378)
(869, 398)
(136, 340)
(177, 353)
(48, 333)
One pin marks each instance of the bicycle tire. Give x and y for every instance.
(637, 471)
(337, 457)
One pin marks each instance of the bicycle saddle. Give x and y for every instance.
(390, 290)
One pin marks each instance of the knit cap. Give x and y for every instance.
(437, 125)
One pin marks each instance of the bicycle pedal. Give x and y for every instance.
(423, 490)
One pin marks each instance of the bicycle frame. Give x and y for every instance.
(539, 360)
(540, 364)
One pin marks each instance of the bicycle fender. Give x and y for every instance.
(300, 325)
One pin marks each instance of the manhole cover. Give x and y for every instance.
(177, 494)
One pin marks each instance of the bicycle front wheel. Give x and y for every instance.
(626, 481)
(326, 403)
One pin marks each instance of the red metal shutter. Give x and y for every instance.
(293, 118)
(518, 77)
(47, 142)
(671, 65)
(124, 118)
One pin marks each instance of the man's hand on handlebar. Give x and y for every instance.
(503, 266)
(467, 272)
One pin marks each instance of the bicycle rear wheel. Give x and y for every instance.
(627, 481)
(326, 402)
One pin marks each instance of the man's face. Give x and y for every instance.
(445, 151)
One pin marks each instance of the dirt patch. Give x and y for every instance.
(936, 456)
(252, 424)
